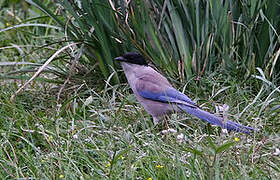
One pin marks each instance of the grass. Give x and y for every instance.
(108, 135)
(98, 130)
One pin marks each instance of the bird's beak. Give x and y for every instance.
(120, 58)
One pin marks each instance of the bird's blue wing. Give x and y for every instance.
(156, 91)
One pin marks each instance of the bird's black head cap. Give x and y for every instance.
(133, 58)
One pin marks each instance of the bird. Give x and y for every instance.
(160, 98)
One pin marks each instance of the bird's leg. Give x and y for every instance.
(224, 110)
(165, 122)
(155, 120)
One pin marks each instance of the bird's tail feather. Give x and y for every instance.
(215, 120)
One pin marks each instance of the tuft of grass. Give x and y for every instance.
(185, 38)
(188, 38)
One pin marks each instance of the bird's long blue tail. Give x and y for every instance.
(215, 120)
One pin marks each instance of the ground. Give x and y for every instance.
(107, 134)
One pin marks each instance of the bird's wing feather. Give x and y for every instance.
(151, 88)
